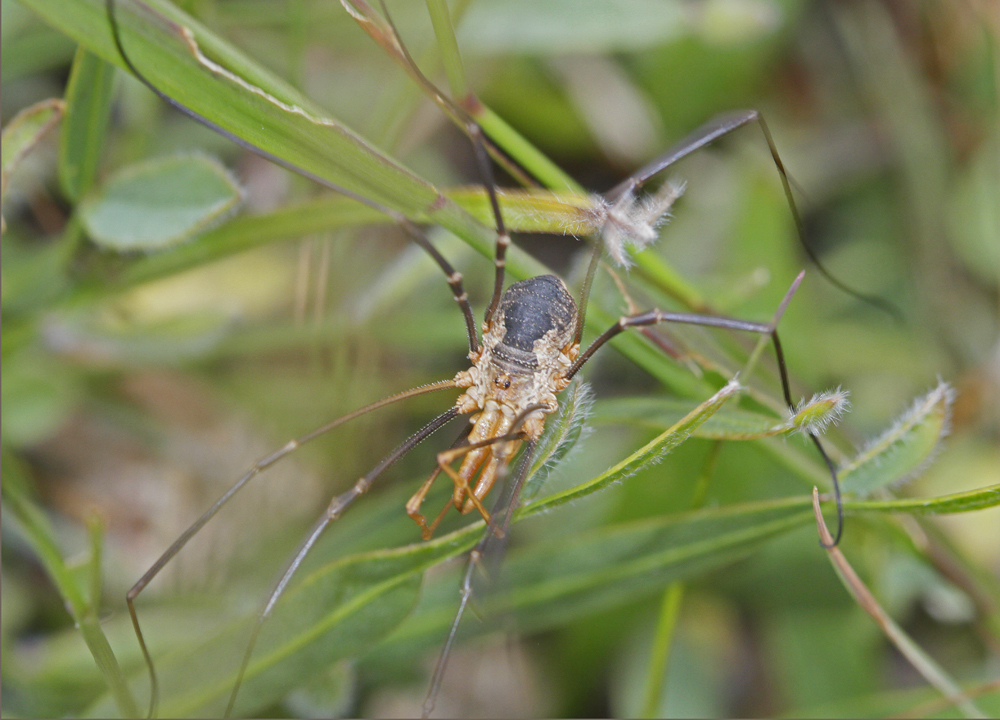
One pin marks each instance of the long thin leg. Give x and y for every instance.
(656, 316)
(388, 33)
(259, 466)
(463, 493)
(454, 278)
(475, 557)
(462, 489)
(464, 498)
(711, 131)
(442, 662)
(383, 31)
(333, 511)
(584, 301)
(478, 140)
(503, 238)
(414, 503)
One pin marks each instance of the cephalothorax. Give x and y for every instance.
(528, 347)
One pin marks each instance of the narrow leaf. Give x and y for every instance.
(243, 232)
(523, 212)
(978, 499)
(444, 31)
(535, 210)
(584, 574)
(561, 435)
(350, 605)
(906, 448)
(650, 453)
(727, 423)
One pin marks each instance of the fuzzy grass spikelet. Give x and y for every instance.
(815, 415)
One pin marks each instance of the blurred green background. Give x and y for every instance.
(138, 405)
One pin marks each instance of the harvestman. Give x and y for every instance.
(528, 353)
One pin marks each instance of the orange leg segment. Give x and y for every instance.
(490, 446)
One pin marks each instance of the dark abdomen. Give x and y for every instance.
(528, 310)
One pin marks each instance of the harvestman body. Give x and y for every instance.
(530, 351)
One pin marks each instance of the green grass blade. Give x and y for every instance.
(245, 232)
(547, 585)
(651, 452)
(41, 536)
(352, 604)
(88, 110)
(527, 155)
(202, 72)
(666, 624)
(978, 499)
(727, 423)
(444, 31)
(550, 584)
(348, 605)
(524, 212)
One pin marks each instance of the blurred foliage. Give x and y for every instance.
(138, 385)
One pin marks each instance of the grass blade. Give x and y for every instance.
(921, 661)
(88, 110)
